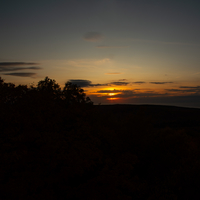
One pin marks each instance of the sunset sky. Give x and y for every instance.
(119, 51)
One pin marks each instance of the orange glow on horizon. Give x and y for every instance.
(112, 98)
(112, 94)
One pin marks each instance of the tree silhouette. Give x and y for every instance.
(48, 85)
(73, 94)
(47, 91)
(10, 94)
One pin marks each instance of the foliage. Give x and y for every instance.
(9, 93)
(48, 85)
(73, 94)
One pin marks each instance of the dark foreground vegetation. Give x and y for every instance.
(55, 144)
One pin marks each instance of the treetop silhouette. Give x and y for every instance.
(45, 91)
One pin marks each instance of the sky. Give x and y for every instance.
(118, 51)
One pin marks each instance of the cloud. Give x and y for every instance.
(182, 89)
(85, 83)
(174, 90)
(130, 93)
(126, 94)
(119, 83)
(160, 82)
(113, 73)
(93, 36)
(108, 91)
(5, 69)
(122, 79)
(104, 46)
(16, 66)
(137, 93)
(88, 83)
(147, 97)
(21, 74)
(189, 87)
(139, 82)
(16, 63)
(98, 84)
(88, 63)
(81, 83)
(121, 93)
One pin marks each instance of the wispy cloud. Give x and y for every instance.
(22, 74)
(104, 46)
(98, 84)
(16, 66)
(93, 36)
(5, 69)
(123, 79)
(16, 63)
(88, 83)
(160, 82)
(88, 63)
(108, 91)
(85, 83)
(119, 83)
(174, 90)
(129, 93)
(185, 89)
(147, 97)
(139, 82)
(119, 93)
(189, 87)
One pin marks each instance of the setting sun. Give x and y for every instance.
(112, 94)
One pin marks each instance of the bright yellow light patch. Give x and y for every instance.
(112, 94)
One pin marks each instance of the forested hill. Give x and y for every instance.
(55, 144)
(159, 115)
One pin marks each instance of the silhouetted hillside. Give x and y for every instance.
(55, 147)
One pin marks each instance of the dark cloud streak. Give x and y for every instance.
(17, 66)
(160, 82)
(119, 83)
(5, 69)
(16, 63)
(109, 91)
(139, 82)
(98, 84)
(85, 83)
(189, 87)
(195, 89)
(81, 83)
(21, 74)
(122, 79)
(130, 93)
